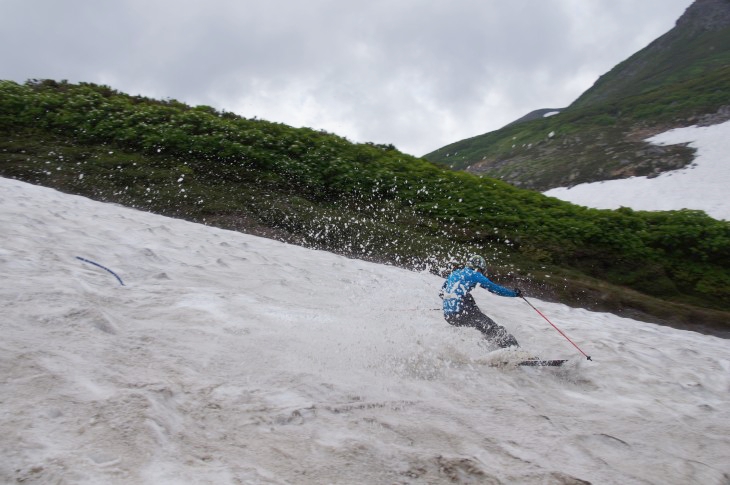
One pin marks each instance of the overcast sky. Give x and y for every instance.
(419, 74)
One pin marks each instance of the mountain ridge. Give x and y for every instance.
(680, 79)
(536, 115)
(659, 63)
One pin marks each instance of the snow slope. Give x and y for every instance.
(704, 185)
(228, 359)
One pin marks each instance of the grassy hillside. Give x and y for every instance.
(588, 144)
(681, 79)
(697, 47)
(370, 201)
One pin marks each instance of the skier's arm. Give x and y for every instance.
(492, 287)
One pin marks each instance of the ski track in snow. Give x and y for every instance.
(703, 185)
(229, 359)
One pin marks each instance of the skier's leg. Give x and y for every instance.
(464, 318)
(472, 316)
(493, 332)
(505, 339)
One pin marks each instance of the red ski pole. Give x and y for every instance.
(556, 328)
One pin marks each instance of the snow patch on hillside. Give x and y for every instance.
(703, 185)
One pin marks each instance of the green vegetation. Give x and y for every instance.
(679, 79)
(696, 49)
(592, 143)
(371, 201)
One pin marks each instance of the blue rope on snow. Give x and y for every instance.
(102, 267)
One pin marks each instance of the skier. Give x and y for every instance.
(461, 310)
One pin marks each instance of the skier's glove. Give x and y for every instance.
(519, 292)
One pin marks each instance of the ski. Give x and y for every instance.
(543, 363)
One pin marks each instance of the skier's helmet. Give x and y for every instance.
(476, 262)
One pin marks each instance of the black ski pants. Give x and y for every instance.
(472, 316)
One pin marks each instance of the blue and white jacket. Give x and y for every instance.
(460, 282)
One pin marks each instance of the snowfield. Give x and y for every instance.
(230, 359)
(703, 185)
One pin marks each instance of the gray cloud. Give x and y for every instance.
(412, 73)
